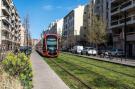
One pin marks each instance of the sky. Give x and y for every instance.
(43, 12)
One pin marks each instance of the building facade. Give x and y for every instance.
(102, 9)
(87, 22)
(9, 25)
(56, 27)
(23, 36)
(122, 24)
(73, 23)
(34, 42)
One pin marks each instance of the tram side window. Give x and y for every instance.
(44, 47)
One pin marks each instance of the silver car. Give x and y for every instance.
(89, 51)
(117, 52)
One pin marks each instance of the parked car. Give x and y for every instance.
(77, 49)
(26, 49)
(117, 52)
(84, 51)
(92, 51)
(89, 51)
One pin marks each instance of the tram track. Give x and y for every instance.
(105, 68)
(110, 81)
(95, 73)
(66, 64)
(71, 74)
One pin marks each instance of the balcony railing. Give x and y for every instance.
(5, 38)
(6, 9)
(114, 9)
(5, 28)
(123, 5)
(8, 2)
(121, 21)
(126, 4)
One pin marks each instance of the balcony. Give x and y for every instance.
(6, 38)
(120, 22)
(7, 1)
(7, 20)
(5, 28)
(131, 37)
(5, 10)
(116, 38)
(124, 6)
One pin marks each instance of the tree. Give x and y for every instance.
(71, 40)
(27, 32)
(97, 31)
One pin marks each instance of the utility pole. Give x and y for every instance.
(125, 36)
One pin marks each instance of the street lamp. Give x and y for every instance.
(125, 36)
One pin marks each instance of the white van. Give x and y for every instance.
(77, 49)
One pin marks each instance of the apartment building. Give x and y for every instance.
(87, 22)
(9, 25)
(73, 22)
(101, 9)
(122, 24)
(23, 36)
(34, 42)
(56, 27)
(85, 28)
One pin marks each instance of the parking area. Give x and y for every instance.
(107, 53)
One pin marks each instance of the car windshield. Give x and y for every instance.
(113, 49)
(85, 48)
(120, 50)
(91, 48)
(117, 50)
(88, 48)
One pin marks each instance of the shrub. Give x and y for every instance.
(8, 82)
(19, 66)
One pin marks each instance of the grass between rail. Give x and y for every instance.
(97, 74)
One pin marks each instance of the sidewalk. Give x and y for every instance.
(127, 62)
(44, 76)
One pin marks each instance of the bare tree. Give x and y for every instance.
(71, 40)
(27, 33)
(97, 31)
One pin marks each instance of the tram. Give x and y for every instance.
(48, 46)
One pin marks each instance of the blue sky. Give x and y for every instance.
(42, 12)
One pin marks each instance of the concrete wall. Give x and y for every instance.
(60, 27)
(78, 19)
(22, 36)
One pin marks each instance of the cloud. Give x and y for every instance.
(51, 7)
(48, 7)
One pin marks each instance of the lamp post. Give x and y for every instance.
(125, 36)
